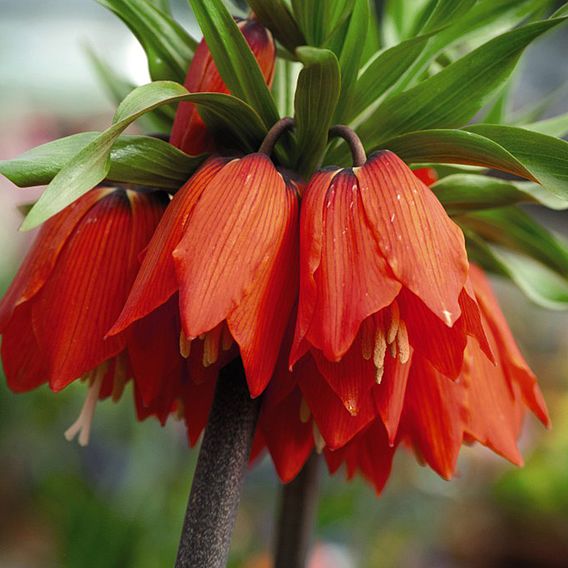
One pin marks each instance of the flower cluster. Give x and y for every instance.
(350, 301)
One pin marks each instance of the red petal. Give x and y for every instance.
(89, 285)
(443, 346)
(289, 440)
(491, 410)
(42, 256)
(353, 280)
(432, 417)
(233, 233)
(156, 281)
(23, 361)
(513, 362)
(335, 424)
(259, 321)
(390, 394)
(189, 132)
(311, 242)
(423, 246)
(427, 176)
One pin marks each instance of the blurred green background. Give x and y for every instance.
(120, 501)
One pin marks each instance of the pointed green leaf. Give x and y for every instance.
(556, 126)
(446, 11)
(540, 284)
(320, 19)
(168, 46)
(316, 99)
(277, 17)
(453, 96)
(92, 163)
(462, 192)
(548, 165)
(512, 228)
(234, 58)
(544, 156)
(350, 57)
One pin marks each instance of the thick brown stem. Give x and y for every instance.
(216, 489)
(298, 505)
(284, 124)
(353, 141)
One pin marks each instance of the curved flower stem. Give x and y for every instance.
(298, 505)
(353, 141)
(284, 124)
(221, 466)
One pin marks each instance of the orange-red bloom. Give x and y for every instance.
(189, 132)
(384, 273)
(420, 408)
(70, 290)
(228, 246)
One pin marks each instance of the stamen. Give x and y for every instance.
(318, 439)
(211, 346)
(82, 425)
(379, 375)
(393, 349)
(380, 348)
(226, 339)
(184, 345)
(305, 412)
(366, 340)
(395, 319)
(403, 344)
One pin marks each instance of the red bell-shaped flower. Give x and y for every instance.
(228, 245)
(189, 132)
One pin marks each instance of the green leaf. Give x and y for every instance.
(320, 19)
(401, 19)
(234, 58)
(168, 46)
(117, 87)
(462, 192)
(277, 17)
(383, 71)
(512, 228)
(556, 126)
(316, 99)
(545, 157)
(540, 284)
(446, 11)
(548, 166)
(92, 163)
(350, 56)
(453, 96)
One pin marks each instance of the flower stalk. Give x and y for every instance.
(298, 506)
(216, 489)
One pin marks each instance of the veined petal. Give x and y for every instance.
(189, 132)
(45, 250)
(24, 365)
(87, 290)
(259, 321)
(233, 233)
(336, 425)
(443, 346)
(288, 439)
(424, 248)
(432, 417)
(514, 364)
(389, 396)
(353, 280)
(351, 379)
(490, 406)
(156, 281)
(311, 243)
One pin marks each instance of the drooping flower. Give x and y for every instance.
(418, 407)
(70, 290)
(189, 132)
(227, 250)
(383, 274)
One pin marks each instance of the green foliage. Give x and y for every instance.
(168, 46)
(316, 99)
